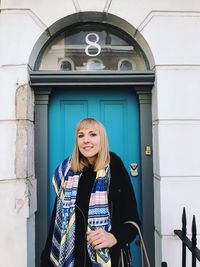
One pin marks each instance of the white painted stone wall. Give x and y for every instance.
(174, 41)
(171, 29)
(17, 179)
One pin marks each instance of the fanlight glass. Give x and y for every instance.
(92, 47)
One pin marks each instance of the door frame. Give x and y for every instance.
(142, 84)
(44, 82)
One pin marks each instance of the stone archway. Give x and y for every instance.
(43, 82)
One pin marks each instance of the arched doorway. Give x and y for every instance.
(86, 57)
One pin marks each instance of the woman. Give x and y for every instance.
(94, 200)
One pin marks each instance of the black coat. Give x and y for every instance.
(123, 207)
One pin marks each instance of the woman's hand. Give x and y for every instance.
(101, 239)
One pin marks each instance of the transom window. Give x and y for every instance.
(92, 47)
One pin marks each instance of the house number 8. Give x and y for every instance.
(92, 44)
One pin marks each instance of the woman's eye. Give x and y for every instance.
(80, 135)
(93, 134)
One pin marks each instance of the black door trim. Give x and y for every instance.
(62, 78)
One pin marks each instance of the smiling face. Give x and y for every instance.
(88, 141)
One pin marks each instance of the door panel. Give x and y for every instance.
(117, 109)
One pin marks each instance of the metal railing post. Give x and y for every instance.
(184, 232)
(194, 241)
(186, 242)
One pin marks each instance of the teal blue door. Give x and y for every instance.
(116, 108)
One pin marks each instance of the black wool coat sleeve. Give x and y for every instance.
(122, 201)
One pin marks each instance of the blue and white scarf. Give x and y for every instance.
(65, 183)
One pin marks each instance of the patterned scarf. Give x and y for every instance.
(65, 183)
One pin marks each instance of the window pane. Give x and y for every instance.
(93, 47)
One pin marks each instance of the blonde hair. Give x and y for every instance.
(103, 157)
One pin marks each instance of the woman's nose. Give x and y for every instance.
(86, 139)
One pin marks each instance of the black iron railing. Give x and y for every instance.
(186, 242)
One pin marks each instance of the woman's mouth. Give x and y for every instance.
(87, 147)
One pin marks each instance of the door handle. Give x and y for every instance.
(134, 169)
